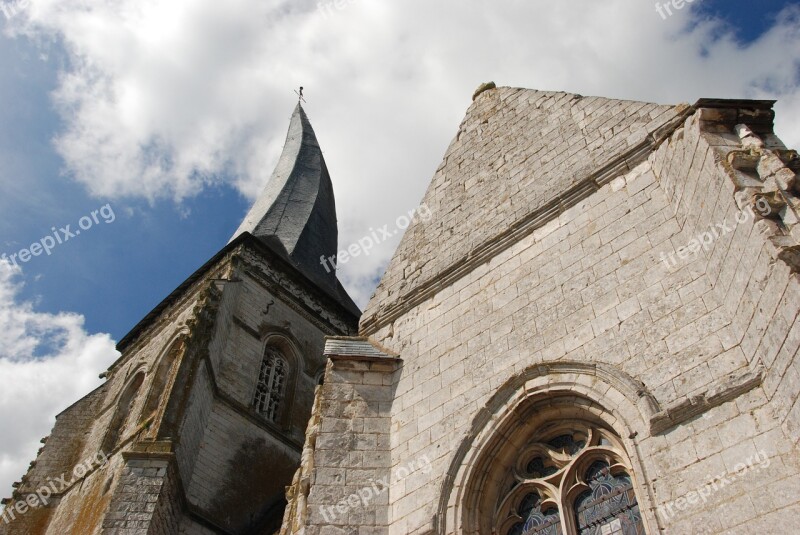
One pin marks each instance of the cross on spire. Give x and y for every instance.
(300, 94)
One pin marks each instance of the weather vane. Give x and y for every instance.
(300, 94)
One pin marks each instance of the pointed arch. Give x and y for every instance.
(161, 376)
(572, 395)
(122, 412)
(275, 379)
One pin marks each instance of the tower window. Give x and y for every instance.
(271, 384)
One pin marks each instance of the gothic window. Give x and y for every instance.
(271, 384)
(119, 421)
(609, 505)
(572, 479)
(161, 378)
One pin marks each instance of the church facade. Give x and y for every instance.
(595, 332)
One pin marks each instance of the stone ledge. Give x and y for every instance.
(723, 391)
(357, 349)
(160, 449)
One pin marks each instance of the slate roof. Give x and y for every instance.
(298, 210)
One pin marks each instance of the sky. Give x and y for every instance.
(151, 126)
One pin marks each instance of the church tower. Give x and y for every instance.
(200, 424)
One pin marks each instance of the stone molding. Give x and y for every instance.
(608, 391)
(723, 391)
(762, 171)
(283, 285)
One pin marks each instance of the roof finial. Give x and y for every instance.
(300, 95)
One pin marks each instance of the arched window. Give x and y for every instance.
(119, 422)
(546, 444)
(609, 505)
(271, 386)
(161, 378)
(570, 478)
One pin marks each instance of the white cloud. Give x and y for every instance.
(162, 98)
(47, 362)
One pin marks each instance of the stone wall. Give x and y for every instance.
(175, 419)
(515, 152)
(81, 434)
(342, 485)
(260, 305)
(710, 339)
(147, 499)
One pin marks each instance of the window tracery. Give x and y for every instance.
(571, 478)
(271, 384)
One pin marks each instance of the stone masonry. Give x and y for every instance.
(638, 260)
(596, 331)
(200, 425)
(176, 466)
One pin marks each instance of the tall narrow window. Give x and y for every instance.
(119, 421)
(609, 505)
(271, 384)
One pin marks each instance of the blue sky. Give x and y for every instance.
(152, 246)
(177, 135)
(136, 260)
(747, 19)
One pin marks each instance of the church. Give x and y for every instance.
(595, 332)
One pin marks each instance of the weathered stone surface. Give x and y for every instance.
(177, 423)
(624, 265)
(665, 273)
(515, 151)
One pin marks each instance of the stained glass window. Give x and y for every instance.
(271, 381)
(537, 469)
(548, 468)
(567, 443)
(610, 505)
(536, 520)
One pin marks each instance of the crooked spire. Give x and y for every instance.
(297, 207)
